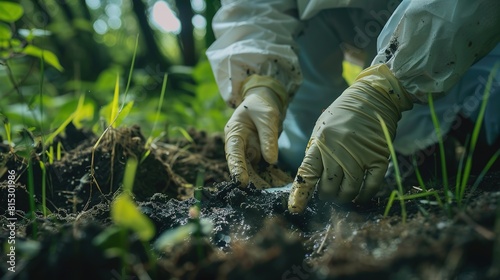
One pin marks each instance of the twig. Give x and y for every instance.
(324, 239)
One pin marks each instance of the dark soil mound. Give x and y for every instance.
(253, 235)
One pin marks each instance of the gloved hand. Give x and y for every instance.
(252, 131)
(348, 152)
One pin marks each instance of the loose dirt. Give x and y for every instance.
(253, 235)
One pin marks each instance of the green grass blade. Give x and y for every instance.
(40, 92)
(58, 151)
(158, 110)
(396, 166)
(114, 103)
(131, 67)
(8, 131)
(390, 202)
(477, 129)
(442, 155)
(50, 154)
(419, 195)
(485, 170)
(31, 191)
(460, 171)
(44, 191)
(418, 175)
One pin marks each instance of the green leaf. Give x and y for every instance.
(125, 213)
(48, 56)
(5, 32)
(106, 111)
(122, 114)
(10, 12)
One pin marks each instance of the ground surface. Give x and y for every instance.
(252, 237)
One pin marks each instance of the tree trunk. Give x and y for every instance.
(186, 37)
(152, 53)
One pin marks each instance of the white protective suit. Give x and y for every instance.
(302, 44)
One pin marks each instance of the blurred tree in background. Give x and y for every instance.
(94, 43)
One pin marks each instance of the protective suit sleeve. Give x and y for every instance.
(430, 44)
(254, 37)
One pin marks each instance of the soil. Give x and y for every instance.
(252, 235)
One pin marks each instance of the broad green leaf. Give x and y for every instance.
(10, 12)
(124, 213)
(48, 56)
(5, 32)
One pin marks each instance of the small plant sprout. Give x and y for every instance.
(116, 116)
(399, 191)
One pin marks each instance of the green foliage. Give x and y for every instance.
(48, 56)
(463, 174)
(10, 12)
(9, 46)
(5, 32)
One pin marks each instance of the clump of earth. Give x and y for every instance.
(251, 236)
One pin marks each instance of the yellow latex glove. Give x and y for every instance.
(252, 132)
(347, 154)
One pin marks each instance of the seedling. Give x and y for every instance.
(399, 193)
(116, 115)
